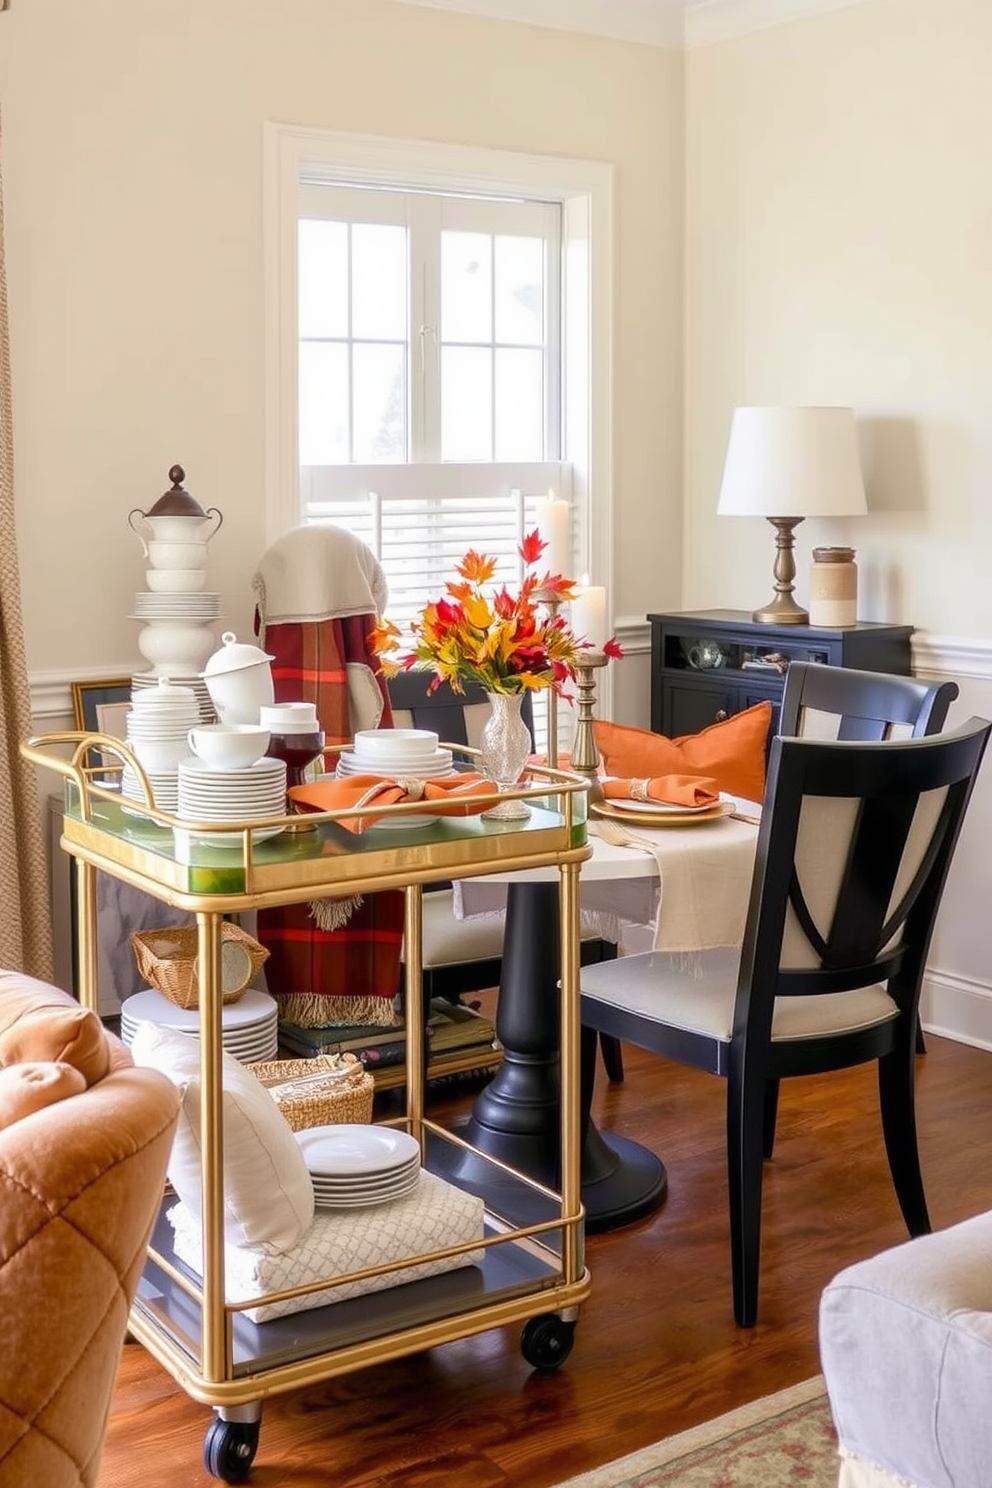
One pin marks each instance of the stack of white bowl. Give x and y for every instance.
(228, 779)
(397, 754)
(157, 730)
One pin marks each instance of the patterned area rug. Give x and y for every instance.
(782, 1441)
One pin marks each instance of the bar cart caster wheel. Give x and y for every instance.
(547, 1341)
(229, 1449)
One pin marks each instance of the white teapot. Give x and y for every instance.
(177, 527)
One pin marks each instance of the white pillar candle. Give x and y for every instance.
(554, 526)
(589, 613)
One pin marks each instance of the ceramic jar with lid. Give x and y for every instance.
(833, 588)
(238, 678)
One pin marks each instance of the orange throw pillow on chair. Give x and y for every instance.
(26, 1088)
(73, 1035)
(732, 752)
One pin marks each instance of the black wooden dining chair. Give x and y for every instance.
(853, 850)
(844, 703)
(826, 702)
(462, 956)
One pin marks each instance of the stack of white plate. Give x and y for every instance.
(413, 753)
(246, 795)
(353, 1166)
(175, 607)
(249, 1031)
(164, 784)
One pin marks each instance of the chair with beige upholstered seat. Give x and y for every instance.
(853, 850)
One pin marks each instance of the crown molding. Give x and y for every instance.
(654, 22)
(708, 21)
(663, 23)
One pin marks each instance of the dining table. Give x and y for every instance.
(680, 887)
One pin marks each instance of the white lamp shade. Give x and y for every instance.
(792, 462)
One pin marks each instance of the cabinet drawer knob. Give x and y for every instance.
(721, 715)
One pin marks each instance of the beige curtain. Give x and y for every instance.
(25, 922)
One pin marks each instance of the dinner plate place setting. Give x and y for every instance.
(353, 1166)
(660, 814)
(249, 1027)
(665, 808)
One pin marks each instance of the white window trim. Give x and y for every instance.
(585, 189)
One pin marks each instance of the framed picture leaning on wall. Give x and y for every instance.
(101, 707)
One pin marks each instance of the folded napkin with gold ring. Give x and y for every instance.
(672, 790)
(444, 795)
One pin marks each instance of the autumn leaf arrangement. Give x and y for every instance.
(478, 632)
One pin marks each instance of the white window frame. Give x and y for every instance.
(425, 216)
(585, 190)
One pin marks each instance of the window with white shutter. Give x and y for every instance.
(432, 313)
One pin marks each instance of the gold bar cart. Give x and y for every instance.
(532, 1270)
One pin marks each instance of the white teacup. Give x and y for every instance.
(228, 746)
(175, 580)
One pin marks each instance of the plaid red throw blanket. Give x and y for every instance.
(333, 961)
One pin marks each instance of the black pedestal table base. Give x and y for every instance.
(516, 1117)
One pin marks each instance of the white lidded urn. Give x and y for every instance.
(239, 680)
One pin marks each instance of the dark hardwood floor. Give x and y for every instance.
(656, 1349)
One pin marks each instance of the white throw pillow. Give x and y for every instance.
(268, 1192)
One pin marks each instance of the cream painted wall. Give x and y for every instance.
(132, 157)
(839, 250)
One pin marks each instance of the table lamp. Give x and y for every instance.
(800, 461)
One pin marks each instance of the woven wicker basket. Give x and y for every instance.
(306, 1099)
(167, 960)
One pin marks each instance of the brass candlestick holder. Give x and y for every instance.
(552, 600)
(585, 754)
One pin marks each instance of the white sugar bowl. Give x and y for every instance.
(238, 678)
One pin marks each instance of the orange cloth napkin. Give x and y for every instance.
(346, 792)
(674, 790)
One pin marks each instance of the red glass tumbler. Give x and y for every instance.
(298, 751)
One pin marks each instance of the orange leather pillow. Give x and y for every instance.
(26, 1088)
(733, 751)
(73, 1035)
